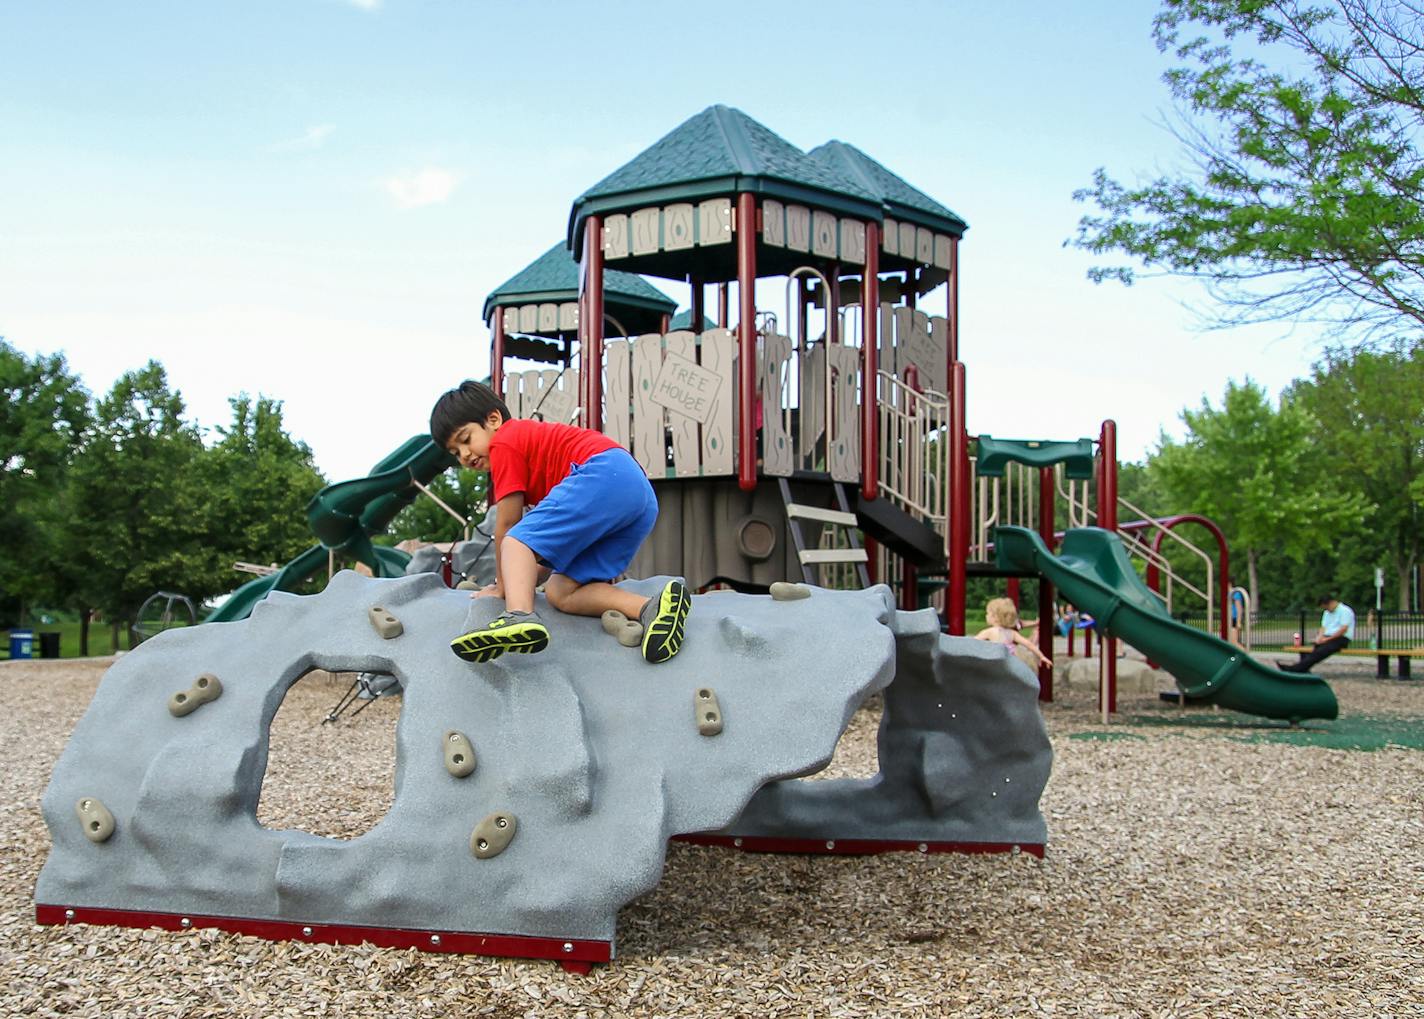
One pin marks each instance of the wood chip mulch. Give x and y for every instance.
(1189, 874)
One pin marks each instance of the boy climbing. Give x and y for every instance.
(567, 497)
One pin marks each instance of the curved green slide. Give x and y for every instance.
(344, 516)
(1093, 572)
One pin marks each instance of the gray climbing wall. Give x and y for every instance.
(595, 757)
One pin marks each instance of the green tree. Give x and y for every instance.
(43, 415)
(1370, 405)
(258, 481)
(464, 491)
(1301, 123)
(135, 499)
(1256, 471)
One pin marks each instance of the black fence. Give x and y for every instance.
(1273, 630)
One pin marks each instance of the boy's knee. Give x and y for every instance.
(558, 590)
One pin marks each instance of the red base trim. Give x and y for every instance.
(855, 847)
(576, 955)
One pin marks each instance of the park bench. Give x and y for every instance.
(1382, 654)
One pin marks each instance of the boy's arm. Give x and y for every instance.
(1021, 639)
(507, 512)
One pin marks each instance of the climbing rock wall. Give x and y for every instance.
(964, 755)
(591, 756)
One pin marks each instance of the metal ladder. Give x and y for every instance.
(812, 559)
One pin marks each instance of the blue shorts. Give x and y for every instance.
(591, 525)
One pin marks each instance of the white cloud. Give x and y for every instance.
(365, 5)
(422, 187)
(313, 138)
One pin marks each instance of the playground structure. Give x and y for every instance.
(824, 442)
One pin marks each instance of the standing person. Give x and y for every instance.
(1003, 620)
(569, 498)
(1337, 629)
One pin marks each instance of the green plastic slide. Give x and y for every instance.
(1093, 573)
(344, 516)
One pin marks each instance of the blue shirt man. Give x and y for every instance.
(1337, 629)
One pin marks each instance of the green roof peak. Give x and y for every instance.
(553, 276)
(900, 199)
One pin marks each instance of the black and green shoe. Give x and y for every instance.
(521, 634)
(663, 619)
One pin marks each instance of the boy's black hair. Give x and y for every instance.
(469, 402)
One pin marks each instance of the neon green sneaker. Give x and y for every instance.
(521, 634)
(663, 619)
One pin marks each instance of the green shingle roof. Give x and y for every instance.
(718, 152)
(901, 201)
(683, 320)
(553, 276)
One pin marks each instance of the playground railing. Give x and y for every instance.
(914, 451)
(1271, 631)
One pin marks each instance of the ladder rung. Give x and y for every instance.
(827, 516)
(833, 555)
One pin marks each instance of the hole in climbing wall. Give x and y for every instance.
(856, 755)
(331, 754)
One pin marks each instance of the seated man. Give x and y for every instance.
(1337, 629)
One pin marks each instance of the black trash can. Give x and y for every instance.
(49, 644)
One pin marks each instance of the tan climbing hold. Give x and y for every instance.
(628, 631)
(459, 754)
(631, 635)
(387, 625)
(467, 585)
(95, 817)
(783, 590)
(492, 835)
(708, 711)
(204, 689)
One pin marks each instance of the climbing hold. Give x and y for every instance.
(708, 712)
(782, 590)
(631, 635)
(385, 624)
(205, 688)
(98, 822)
(492, 834)
(467, 585)
(459, 754)
(628, 631)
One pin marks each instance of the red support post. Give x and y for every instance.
(592, 280)
(497, 354)
(1014, 591)
(1107, 519)
(723, 313)
(1046, 595)
(698, 304)
(666, 324)
(959, 512)
(870, 365)
(746, 340)
(952, 300)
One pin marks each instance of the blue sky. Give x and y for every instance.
(310, 199)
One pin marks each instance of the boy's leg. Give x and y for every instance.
(591, 599)
(518, 629)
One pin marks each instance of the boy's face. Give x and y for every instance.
(471, 441)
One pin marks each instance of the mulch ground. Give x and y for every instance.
(1200, 864)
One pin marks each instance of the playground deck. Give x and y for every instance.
(1200, 865)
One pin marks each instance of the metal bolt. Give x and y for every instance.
(993, 794)
(435, 939)
(69, 914)
(1015, 850)
(831, 844)
(737, 843)
(923, 847)
(1006, 780)
(306, 932)
(185, 923)
(568, 946)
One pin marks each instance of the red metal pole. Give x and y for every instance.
(959, 493)
(666, 324)
(1046, 596)
(1223, 560)
(746, 339)
(497, 354)
(1014, 590)
(593, 345)
(953, 300)
(1107, 519)
(723, 315)
(870, 363)
(699, 304)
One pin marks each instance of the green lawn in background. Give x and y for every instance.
(99, 639)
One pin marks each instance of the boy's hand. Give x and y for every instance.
(492, 591)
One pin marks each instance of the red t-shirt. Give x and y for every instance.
(534, 456)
